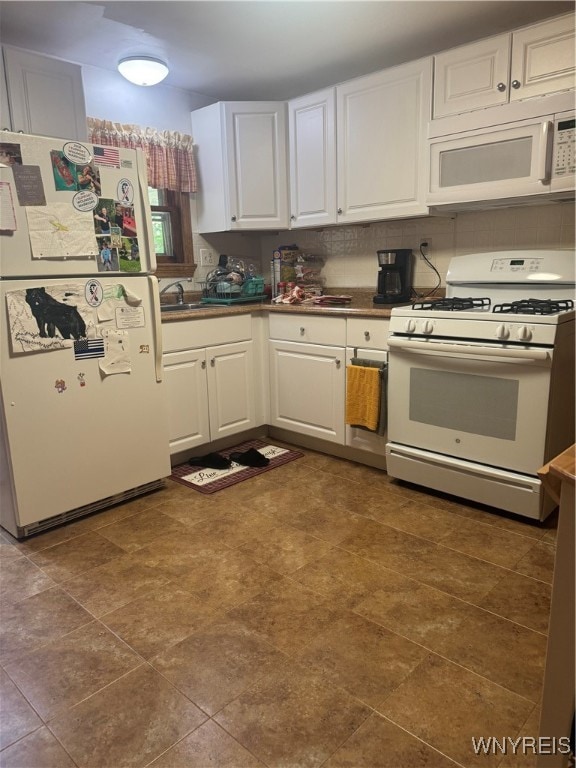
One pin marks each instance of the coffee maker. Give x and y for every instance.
(395, 276)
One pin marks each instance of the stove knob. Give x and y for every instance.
(410, 326)
(524, 333)
(428, 327)
(502, 332)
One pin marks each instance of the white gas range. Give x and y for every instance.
(481, 384)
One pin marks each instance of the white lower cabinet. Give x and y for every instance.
(356, 437)
(307, 389)
(212, 391)
(307, 363)
(209, 394)
(214, 372)
(231, 387)
(366, 339)
(187, 393)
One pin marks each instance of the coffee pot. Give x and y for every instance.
(394, 277)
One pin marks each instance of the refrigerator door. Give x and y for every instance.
(84, 420)
(72, 208)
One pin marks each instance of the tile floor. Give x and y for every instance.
(316, 615)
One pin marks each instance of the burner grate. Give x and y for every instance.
(535, 307)
(454, 304)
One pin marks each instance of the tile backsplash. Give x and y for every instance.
(350, 251)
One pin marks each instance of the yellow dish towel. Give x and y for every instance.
(362, 396)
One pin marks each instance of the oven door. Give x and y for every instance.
(476, 402)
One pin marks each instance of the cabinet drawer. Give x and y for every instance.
(206, 332)
(306, 328)
(367, 333)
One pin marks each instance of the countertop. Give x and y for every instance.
(561, 468)
(362, 305)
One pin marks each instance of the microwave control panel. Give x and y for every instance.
(565, 148)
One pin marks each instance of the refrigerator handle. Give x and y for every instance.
(157, 330)
(143, 180)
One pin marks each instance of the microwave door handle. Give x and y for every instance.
(431, 347)
(545, 153)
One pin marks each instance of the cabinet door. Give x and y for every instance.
(307, 389)
(230, 376)
(187, 395)
(543, 59)
(45, 95)
(472, 76)
(356, 437)
(312, 141)
(257, 164)
(381, 143)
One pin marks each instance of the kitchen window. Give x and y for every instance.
(172, 232)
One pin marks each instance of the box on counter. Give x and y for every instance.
(291, 265)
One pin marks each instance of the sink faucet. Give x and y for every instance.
(179, 288)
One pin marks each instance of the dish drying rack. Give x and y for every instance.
(220, 291)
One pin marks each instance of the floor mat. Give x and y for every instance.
(212, 480)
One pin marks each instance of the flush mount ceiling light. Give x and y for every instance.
(143, 70)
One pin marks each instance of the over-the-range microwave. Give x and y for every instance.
(525, 159)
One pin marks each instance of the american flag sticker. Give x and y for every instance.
(86, 348)
(107, 156)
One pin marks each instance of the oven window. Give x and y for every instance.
(480, 405)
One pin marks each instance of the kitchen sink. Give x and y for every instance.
(182, 307)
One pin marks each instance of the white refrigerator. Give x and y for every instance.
(83, 420)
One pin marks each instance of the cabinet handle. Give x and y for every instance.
(501, 87)
(367, 335)
(516, 84)
(302, 331)
(233, 218)
(338, 363)
(203, 364)
(212, 362)
(339, 210)
(292, 218)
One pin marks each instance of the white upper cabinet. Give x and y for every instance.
(534, 61)
(45, 96)
(312, 140)
(472, 77)
(242, 166)
(381, 143)
(543, 59)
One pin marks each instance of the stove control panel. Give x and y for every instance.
(531, 264)
(488, 328)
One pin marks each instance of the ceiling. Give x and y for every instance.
(260, 49)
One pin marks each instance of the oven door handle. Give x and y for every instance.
(468, 349)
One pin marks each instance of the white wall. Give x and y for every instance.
(110, 97)
(350, 251)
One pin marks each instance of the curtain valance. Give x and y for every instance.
(169, 154)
